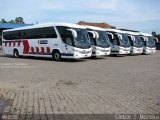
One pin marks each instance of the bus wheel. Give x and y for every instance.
(93, 57)
(56, 55)
(16, 53)
(114, 55)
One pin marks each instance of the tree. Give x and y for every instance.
(113, 27)
(154, 33)
(12, 22)
(3, 21)
(19, 20)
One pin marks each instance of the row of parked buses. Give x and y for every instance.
(65, 40)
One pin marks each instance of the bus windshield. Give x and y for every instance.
(82, 40)
(103, 40)
(151, 42)
(124, 41)
(138, 41)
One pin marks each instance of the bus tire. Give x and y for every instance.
(56, 55)
(114, 55)
(16, 53)
(93, 57)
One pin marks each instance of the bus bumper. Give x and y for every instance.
(124, 51)
(77, 54)
(101, 52)
(137, 51)
(150, 50)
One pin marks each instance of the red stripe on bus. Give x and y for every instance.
(48, 50)
(37, 50)
(26, 47)
(5, 43)
(32, 50)
(42, 50)
(10, 43)
(14, 43)
(19, 42)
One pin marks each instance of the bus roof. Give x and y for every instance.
(114, 30)
(131, 33)
(145, 34)
(47, 25)
(93, 27)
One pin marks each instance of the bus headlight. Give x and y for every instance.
(76, 50)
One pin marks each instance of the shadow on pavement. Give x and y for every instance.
(117, 55)
(43, 58)
(94, 58)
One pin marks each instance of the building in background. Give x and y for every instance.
(102, 25)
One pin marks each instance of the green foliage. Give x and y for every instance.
(18, 20)
(113, 27)
(12, 22)
(3, 21)
(154, 33)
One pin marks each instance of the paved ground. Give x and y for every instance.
(36, 86)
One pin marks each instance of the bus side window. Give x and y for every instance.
(28, 34)
(110, 38)
(53, 33)
(20, 35)
(69, 38)
(115, 40)
(12, 36)
(48, 32)
(91, 38)
(37, 33)
(143, 42)
(66, 35)
(5, 35)
(61, 31)
(130, 40)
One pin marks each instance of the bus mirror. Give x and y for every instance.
(156, 39)
(74, 33)
(93, 33)
(120, 36)
(146, 39)
(111, 35)
(97, 35)
(132, 37)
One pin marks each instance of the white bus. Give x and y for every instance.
(55, 40)
(119, 40)
(99, 40)
(135, 42)
(149, 43)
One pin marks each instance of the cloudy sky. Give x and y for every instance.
(142, 15)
